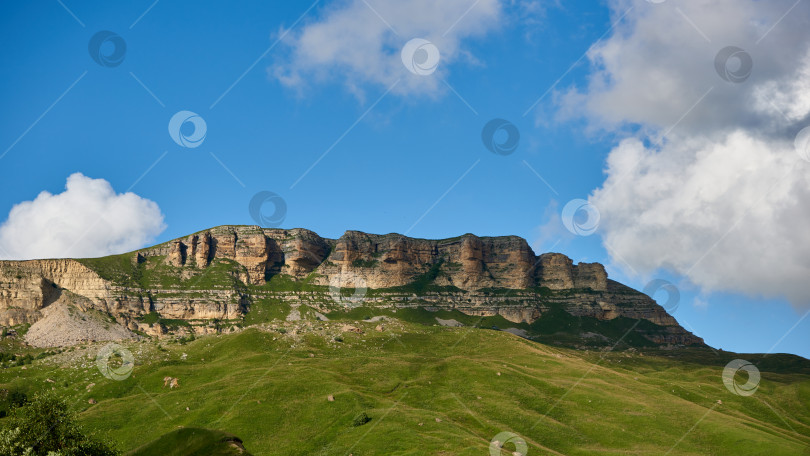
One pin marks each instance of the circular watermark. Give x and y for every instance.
(673, 294)
(107, 48)
(733, 64)
(105, 357)
(420, 56)
(184, 120)
(260, 202)
(344, 280)
(750, 386)
(521, 449)
(580, 217)
(500, 136)
(802, 143)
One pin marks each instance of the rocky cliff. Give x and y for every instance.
(26, 287)
(218, 273)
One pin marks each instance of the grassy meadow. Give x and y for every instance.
(427, 390)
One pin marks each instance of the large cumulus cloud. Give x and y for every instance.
(88, 219)
(706, 182)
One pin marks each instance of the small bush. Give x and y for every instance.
(11, 399)
(186, 339)
(358, 263)
(45, 426)
(361, 419)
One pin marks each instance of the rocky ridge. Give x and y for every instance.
(218, 273)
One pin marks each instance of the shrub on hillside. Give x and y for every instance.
(361, 419)
(10, 399)
(45, 427)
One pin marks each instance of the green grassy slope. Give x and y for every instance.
(192, 442)
(433, 390)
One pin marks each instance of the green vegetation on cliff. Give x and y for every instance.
(153, 272)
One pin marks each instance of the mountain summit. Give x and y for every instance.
(229, 276)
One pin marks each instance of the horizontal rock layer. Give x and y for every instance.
(466, 267)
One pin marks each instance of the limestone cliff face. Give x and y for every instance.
(590, 275)
(556, 271)
(262, 252)
(28, 286)
(375, 261)
(467, 262)
(466, 267)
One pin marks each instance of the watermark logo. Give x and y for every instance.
(802, 144)
(733, 64)
(500, 136)
(345, 280)
(180, 124)
(673, 294)
(420, 56)
(258, 209)
(498, 442)
(115, 362)
(107, 48)
(580, 217)
(731, 370)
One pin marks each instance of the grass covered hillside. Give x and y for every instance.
(192, 442)
(393, 387)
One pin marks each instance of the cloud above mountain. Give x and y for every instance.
(360, 42)
(706, 98)
(88, 219)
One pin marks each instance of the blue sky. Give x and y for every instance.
(283, 85)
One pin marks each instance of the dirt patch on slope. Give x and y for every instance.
(63, 324)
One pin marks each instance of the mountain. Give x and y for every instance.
(281, 342)
(236, 275)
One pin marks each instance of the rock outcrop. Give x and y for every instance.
(26, 287)
(215, 274)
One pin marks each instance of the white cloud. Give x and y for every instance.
(712, 190)
(358, 42)
(700, 303)
(728, 214)
(88, 219)
(657, 64)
